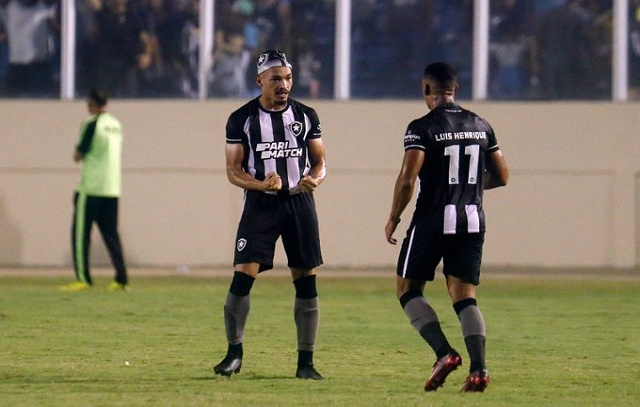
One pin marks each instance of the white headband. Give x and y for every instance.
(271, 59)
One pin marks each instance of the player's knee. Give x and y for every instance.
(306, 287)
(241, 284)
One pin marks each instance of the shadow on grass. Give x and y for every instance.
(245, 377)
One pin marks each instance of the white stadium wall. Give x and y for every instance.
(573, 198)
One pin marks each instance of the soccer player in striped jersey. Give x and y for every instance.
(275, 153)
(455, 156)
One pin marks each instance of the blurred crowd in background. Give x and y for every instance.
(539, 49)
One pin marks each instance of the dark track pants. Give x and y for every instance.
(103, 211)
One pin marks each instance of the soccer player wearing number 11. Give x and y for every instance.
(455, 155)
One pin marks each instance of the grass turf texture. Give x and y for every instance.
(562, 342)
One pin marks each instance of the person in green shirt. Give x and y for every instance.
(99, 148)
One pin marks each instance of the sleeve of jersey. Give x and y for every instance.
(234, 129)
(316, 129)
(86, 136)
(493, 142)
(414, 138)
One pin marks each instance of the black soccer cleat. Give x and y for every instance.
(441, 369)
(229, 365)
(476, 382)
(308, 372)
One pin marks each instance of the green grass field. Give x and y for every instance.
(551, 342)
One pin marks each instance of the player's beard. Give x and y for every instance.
(281, 99)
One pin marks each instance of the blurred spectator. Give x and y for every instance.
(371, 51)
(243, 11)
(273, 19)
(190, 47)
(308, 69)
(150, 77)
(238, 16)
(235, 42)
(312, 46)
(231, 61)
(634, 49)
(124, 47)
(510, 57)
(169, 66)
(55, 42)
(599, 37)
(29, 27)
(562, 57)
(510, 50)
(86, 54)
(410, 50)
(454, 36)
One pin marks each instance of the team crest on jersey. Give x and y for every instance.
(296, 128)
(242, 243)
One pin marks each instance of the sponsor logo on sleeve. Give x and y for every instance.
(410, 137)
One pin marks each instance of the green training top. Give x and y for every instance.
(101, 143)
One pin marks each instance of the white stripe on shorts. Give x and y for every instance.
(406, 257)
(473, 219)
(450, 220)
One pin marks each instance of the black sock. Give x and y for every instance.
(305, 358)
(476, 348)
(235, 350)
(432, 333)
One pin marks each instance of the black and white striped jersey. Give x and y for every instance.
(275, 141)
(456, 143)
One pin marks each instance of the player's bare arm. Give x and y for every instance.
(239, 177)
(318, 169)
(403, 190)
(496, 171)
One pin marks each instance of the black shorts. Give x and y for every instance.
(421, 252)
(267, 217)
